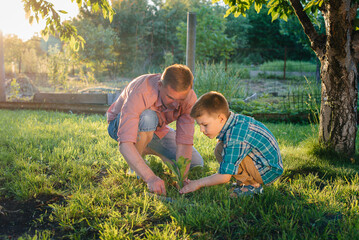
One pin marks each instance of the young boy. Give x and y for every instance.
(246, 149)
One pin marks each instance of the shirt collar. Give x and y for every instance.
(226, 126)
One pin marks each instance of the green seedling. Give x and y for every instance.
(178, 168)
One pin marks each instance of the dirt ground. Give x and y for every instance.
(18, 218)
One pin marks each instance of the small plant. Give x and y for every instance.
(178, 168)
(14, 89)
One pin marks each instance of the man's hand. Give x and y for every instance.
(191, 186)
(156, 185)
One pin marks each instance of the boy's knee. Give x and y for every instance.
(148, 121)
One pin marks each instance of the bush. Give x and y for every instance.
(214, 77)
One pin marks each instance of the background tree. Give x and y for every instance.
(337, 53)
(99, 47)
(13, 51)
(131, 26)
(212, 44)
(163, 39)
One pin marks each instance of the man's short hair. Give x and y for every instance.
(177, 76)
(210, 103)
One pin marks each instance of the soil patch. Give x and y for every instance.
(19, 217)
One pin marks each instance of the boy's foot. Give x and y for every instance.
(246, 190)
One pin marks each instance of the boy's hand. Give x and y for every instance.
(186, 181)
(190, 187)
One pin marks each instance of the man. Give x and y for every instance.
(139, 120)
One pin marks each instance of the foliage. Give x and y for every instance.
(212, 44)
(72, 156)
(277, 8)
(14, 89)
(99, 47)
(14, 48)
(58, 66)
(178, 168)
(36, 9)
(131, 26)
(209, 77)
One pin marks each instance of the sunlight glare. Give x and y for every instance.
(13, 21)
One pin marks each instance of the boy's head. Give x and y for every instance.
(211, 112)
(176, 83)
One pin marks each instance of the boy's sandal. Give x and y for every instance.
(246, 190)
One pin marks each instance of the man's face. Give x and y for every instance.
(211, 124)
(171, 98)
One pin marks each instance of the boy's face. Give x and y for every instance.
(211, 124)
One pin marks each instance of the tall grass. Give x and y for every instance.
(214, 77)
(291, 66)
(72, 156)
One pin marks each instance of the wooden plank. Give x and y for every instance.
(61, 107)
(71, 98)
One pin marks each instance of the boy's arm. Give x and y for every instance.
(214, 179)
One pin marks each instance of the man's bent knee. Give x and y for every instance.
(148, 121)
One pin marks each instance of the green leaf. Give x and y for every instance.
(79, 3)
(63, 11)
(178, 168)
(31, 19)
(257, 7)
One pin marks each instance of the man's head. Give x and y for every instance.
(211, 112)
(179, 77)
(176, 83)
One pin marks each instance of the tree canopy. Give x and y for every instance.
(36, 9)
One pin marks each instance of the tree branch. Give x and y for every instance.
(317, 41)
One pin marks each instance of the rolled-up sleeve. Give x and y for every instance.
(132, 108)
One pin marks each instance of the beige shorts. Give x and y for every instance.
(247, 173)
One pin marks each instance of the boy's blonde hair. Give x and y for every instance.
(179, 77)
(210, 103)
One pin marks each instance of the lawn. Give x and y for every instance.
(62, 177)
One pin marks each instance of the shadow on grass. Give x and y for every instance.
(21, 217)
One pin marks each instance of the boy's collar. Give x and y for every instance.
(225, 127)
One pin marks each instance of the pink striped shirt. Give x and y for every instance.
(143, 93)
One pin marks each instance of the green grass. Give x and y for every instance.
(213, 76)
(72, 156)
(291, 66)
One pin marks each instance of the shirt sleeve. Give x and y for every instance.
(133, 106)
(233, 154)
(185, 123)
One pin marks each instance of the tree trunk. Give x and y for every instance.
(338, 113)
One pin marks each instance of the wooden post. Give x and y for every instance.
(2, 71)
(191, 41)
(285, 61)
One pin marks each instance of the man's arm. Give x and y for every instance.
(136, 162)
(214, 179)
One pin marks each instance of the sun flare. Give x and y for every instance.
(13, 21)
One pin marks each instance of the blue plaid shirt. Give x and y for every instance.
(242, 136)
